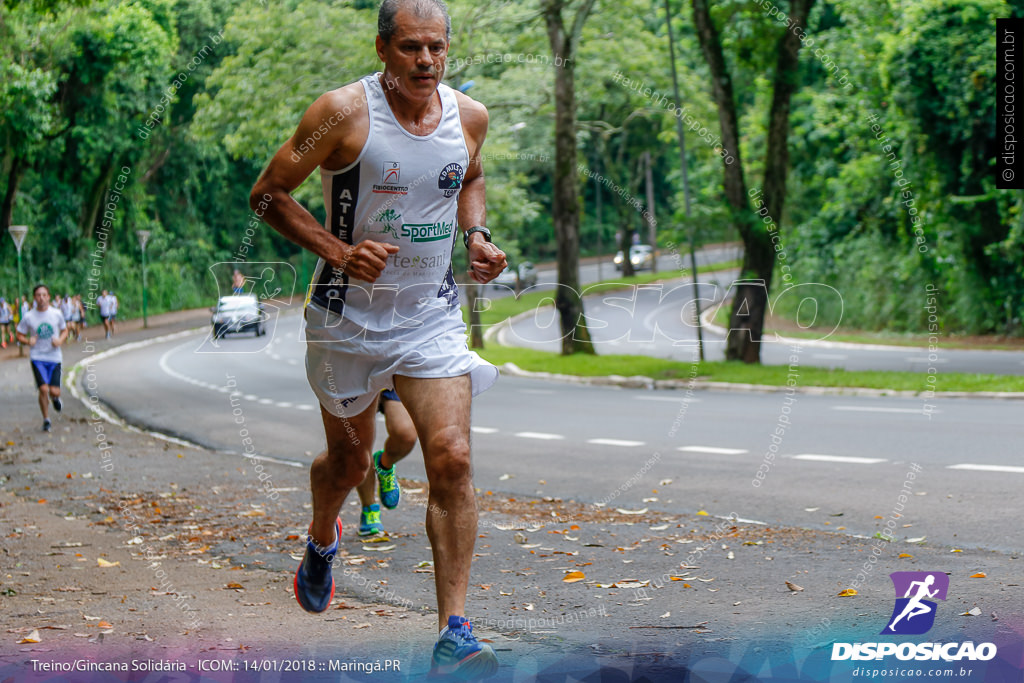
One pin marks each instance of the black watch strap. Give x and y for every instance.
(478, 228)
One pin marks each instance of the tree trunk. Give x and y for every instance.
(95, 199)
(750, 294)
(476, 336)
(14, 176)
(565, 200)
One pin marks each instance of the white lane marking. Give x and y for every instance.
(615, 442)
(89, 362)
(484, 430)
(165, 366)
(869, 409)
(987, 468)
(539, 435)
(669, 399)
(830, 356)
(713, 449)
(925, 360)
(838, 458)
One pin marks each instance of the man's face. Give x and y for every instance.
(42, 297)
(416, 54)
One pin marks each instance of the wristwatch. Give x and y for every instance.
(479, 228)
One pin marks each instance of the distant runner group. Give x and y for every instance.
(44, 325)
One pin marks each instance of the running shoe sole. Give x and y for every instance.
(481, 664)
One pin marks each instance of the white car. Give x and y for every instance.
(640, 255)
(238, 313)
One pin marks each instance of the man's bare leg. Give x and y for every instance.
(440, 410)
(44, 401)
(401, 434)
(339, 469)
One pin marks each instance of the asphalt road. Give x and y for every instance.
(838, 463)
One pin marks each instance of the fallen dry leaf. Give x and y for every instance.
(104, 563)
(793, 587)
(702, 513)
(235, 586)
(31, 638)
(973, 612)
(104, 624)
(847, 592)
(979, 575)
(904, 555)
(631, 512)
(573, 577)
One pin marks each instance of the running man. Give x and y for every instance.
(384, 312)
(105, 302)
(43, 329)
(401, 438)
(914, 605)
(6, 318)
(67, 308)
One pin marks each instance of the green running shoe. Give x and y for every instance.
(387, 483)
(369, 521)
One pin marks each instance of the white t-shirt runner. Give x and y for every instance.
(46, 325)
(106, 304)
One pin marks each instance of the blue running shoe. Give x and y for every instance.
(387, 482)
(314, 585)
(369, 521)
(458, 652)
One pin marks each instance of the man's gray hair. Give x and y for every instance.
(423, 9)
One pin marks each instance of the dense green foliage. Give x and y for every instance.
(186, 100)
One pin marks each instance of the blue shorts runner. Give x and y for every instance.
(46, 372)
(387, 395)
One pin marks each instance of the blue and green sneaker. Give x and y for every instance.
(369, 521)
(387, 483)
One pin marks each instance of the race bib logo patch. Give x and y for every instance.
(391, 174)
(450, 180)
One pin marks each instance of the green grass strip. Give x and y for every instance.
(722, 371)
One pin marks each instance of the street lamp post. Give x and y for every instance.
(143, 238)
(17, 233)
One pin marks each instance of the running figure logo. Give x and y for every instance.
(913, 614)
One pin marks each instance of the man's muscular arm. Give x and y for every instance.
(486, 261)
(271, 195)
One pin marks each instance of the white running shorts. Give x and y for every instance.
(347, 367)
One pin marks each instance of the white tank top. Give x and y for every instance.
(402, 189)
